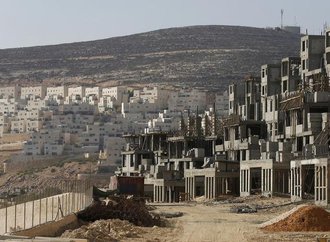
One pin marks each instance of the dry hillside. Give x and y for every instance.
(208, 56)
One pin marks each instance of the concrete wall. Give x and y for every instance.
(29, 214)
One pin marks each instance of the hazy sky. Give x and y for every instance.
(42, 22)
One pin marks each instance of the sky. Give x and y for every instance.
(43, 22)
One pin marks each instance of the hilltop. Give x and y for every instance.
(209, 56)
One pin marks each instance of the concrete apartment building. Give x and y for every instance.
(222, 104)
(284, 148)
(156, 95)
(76, 91)
(45, 142)
(10, 92)
(187, 99)
(57, 92)
(93, 91)
(120, 93)
(8, 106)
(33, 92)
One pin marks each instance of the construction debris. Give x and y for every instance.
(132, 210)
(306, 218)
(243, 209)
(105, 231)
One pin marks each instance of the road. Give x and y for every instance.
(201, 223)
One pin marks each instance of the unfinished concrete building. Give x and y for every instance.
(274, 141)
(293, 155)
(146, 155)
(310, 138)
(289, 141)
(290, 74)
(182, 165)
(245, 132)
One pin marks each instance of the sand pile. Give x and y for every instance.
(104, 231)
(306, 218)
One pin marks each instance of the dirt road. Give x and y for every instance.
(203, 223)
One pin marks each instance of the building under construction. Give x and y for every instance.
(182, 165)
(278, 127)
(275, 139)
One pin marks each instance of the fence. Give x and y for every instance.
(49, 204)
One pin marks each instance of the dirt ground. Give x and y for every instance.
(214, 222)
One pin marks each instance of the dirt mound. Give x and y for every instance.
(307, 218)
(133, 210)
(104, 231)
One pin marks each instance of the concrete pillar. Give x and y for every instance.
(185, 185)
(243, 181)
(194, 189)
(326, 183)
(296, 181)
(266, 179)
(291, 181)
(300, 182)
(271, 180)
(226, 185)
(176, 150)
(206, 187)
(315, 182)
(248, 181)
(192, 186)
(214, 186)
(283, 181)
(154, 193)
(169, 194)
(319, 182)
(185, 146)
(189, 188)
(162, 190)
(268, 189)
(211, 187)
(240, 181)
(262, 180)
(158, 194)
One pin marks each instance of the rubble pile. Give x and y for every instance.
(132, 210)
(104, 231)
(307, 218)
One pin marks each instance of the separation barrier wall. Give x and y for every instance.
(19, 214)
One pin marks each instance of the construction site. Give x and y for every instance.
(259, 174)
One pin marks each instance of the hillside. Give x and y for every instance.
(208, 56)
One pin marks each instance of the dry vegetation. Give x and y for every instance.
(209, 56)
